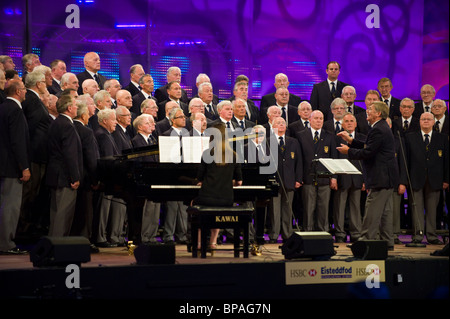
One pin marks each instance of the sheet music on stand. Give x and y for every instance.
(189, 150)
(339, 166)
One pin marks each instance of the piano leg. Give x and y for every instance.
(204, 241)
(194, 238)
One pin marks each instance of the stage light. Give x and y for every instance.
(130, 26)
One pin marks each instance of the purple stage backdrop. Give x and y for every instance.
(252, 37)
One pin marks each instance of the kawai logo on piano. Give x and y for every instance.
(222, 219)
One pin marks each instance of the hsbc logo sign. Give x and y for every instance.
(298, 273)
(312, 273)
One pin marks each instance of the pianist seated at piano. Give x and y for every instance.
(218, 177)
(144, 125)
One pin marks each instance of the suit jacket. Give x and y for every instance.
(55, 88)
(362, 124)
(269, 99)
(431, 165)
(138, 98)
(14, 140)
(397, 126)
(65, 154)
(254, 111)
(418, 109)
(321, 97)
(325, 148)
(214, 114)
(290, 164)
(445, 128)
(162, 126)
(85, 76)
(132, 89)
(106, 144)
(247, 123)
(295, 127)
(39, 122)
(347, 181)
(90, 154)
(122, 139)
(394, 108)
(378, 157)
(161, 94)
(329, 126)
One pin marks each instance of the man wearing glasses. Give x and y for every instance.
(427, 93)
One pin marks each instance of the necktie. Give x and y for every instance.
(307, 124)
(427, 141)
(151, 140)
(316, 137)
(228, 125)
(436, 126)
(338, 127)
(209, 108)
(405, 125)
(96, 79)
(427, 108)
(283, 113)
(333, 90)
(242, 124)
(387, 102)
(281, 143)
(349, 109)
(350, 135)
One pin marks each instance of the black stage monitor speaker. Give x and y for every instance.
(318, 245)
(370, 249)
(149, 254)
(60, 251)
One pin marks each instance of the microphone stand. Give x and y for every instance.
(412, 197)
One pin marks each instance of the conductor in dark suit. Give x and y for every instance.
(316, 143)
(92, 67)
(173, 74)
(14, 164)
(385, 88)
(290, 169)
(65, 167)
(325, 92)
(380, 172)
(281, 80)
(427, 153)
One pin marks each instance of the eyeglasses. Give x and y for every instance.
(179, 117)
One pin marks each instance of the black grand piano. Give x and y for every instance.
(133, 178)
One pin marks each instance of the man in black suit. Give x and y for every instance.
(14, 164)
(204, 78)
(290, 169)
(349, 96)
(29, 62)
(58, 68)
(174, 92)
(385, 88)
(427, 93)
(107, 147)
(84, 209)
(281, 80)
(146, 84)
(65, 167)
(304, 112)
(92, 67)
(349, 189)
(338, 109)
(68, 81)
(205, 93)
(240, 90)
(176, 210)
(173, 74)
(123, 98)
(102, 100)
(288, 112)
(164, 124)
(136, 72)
(380, 173)
(316, 143)
(120, 134)
(325, 92)
(239, 112)
(427, 153)
(407, 122)
(8, 63)
(35, 196)
(439, 108)
(112, 86)
(146, 214)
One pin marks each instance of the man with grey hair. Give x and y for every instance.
(304, 111)
(136, 72)
(240, 90)
(29, 62)
(34, 202)
(427, 94)
(112, 86)
(146, 85)
(65, 167)
(102, 100)
(338, 109)
(173, 74)
(439, 110)
(225, 110)
(58, 68)
(204, 78)
(239, 112)
(164, 124)
(68, 81)
(349, 96)
(205, 93)
(8, 63)
(281, 80)
(380, 172)
(92, 67)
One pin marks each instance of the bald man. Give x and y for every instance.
(92, 66)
